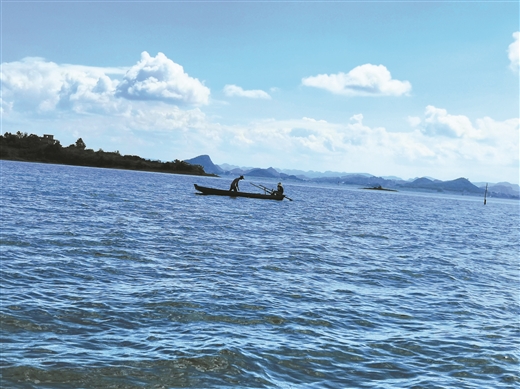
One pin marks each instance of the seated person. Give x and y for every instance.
(279, 190)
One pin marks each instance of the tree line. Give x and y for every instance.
(33, 148)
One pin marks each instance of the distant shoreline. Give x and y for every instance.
(32, 148)
(114, 168)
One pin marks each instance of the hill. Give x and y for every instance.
(32, 148)
(206, 163)
(428, 184)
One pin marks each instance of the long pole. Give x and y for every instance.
(263, 187)
(270, 191)
(485, 194)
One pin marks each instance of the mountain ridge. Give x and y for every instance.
(459, 185)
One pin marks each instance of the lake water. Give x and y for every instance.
(125, 279)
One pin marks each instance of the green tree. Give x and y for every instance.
(80, 144)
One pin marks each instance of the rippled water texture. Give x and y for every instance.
(122, 279)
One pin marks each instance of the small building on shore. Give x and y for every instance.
(48, 138)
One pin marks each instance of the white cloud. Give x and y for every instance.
(513, 52)
(439, 123)
(414, 121)
(159, 78)
(35, 85)
(41, 96)
(233, 90)
(364, 80)
(163, 118)
(357, 118)
(314, 120)
(468, 150)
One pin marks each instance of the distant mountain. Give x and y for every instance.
(417, 178)
(423, 183)
(459, 185)
(500, 187)
(235, 172)
(504, 187)
(268, 173)
(315, 174)
(206, 163)
(227, 167)
(271, 173)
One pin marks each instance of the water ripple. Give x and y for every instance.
(128, 279)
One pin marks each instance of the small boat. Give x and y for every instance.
(221, 192)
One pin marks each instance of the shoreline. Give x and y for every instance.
(186, 173)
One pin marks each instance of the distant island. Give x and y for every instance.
(46, 149)
(461, 186)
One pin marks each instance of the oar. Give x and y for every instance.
(263, 187)
(269, 190)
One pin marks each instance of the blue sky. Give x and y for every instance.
(404, 89)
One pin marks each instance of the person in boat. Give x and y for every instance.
(234, 185)
(279, 190)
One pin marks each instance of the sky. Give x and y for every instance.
(407, 89)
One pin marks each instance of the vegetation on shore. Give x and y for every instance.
(33, 148)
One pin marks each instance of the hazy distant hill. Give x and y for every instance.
(459, 185)
(206, 163)
(501, 187)
(270, 172)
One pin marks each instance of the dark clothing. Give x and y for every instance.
(278, 191)
(234, 185)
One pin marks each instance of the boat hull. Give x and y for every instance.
(220, 192)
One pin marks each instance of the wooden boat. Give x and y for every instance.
(221, 192)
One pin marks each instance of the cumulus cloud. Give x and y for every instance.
(458, 143)
(36, 85)
(439, 123)
(233, 90)
(35, 92)
(513, 52)
(159, 78)
(364, 80)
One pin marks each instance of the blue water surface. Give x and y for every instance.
(126, 279)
